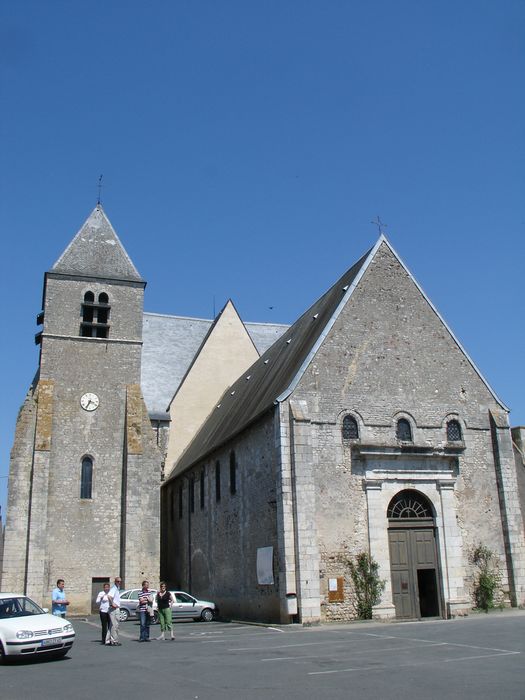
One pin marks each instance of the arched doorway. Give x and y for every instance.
(413, 556)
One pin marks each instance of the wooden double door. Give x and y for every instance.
(414, 566)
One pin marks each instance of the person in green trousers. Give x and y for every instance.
(165, 600)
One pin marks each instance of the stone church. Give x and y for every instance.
(249, 462)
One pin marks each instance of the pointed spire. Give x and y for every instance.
(96, 251)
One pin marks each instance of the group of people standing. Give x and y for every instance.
(108, 601)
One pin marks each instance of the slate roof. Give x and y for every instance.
(169, 347)
(272, 377)
(96, 251)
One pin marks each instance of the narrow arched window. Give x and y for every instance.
(191, 494)
(350, 429)
(202, 491)
(233, 473)
(217, 481)
(86, 478)
(454, 431)
(403, 430)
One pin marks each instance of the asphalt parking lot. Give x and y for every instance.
(482, 656)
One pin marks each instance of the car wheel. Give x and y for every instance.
(207, 615)
(124, 614)
(2, 654)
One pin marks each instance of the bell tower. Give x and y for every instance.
(85, 470)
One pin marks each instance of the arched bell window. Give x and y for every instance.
(95, 316)
(350, 429)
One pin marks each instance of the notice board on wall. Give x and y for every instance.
(336, 592)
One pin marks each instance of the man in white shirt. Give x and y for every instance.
(114, 613)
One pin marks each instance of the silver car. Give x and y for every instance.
(185, 606)
(129, 602)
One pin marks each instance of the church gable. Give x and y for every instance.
(389, 351)
(96, 251)
(225, 353)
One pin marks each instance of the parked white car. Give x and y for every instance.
(26, 629)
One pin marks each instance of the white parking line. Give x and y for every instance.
(321, 642)
(354, 653)
(412, 664)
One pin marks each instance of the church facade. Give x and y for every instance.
(365, 428)
(249, 463)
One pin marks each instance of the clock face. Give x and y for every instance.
(89, 401)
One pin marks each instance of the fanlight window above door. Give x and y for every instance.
(409, 504)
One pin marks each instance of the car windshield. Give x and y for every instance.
(18, 607)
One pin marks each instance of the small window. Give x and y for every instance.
(403, 430)
(454, 431)
(86, 478)
(202, 489)
(233, 474)
(217, 481)
(350, 430)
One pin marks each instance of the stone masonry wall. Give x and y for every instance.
(226, 534)
(13, 575)
(518, 439)
(389, 355)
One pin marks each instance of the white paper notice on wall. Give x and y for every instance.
(332, 584)
(265, 566)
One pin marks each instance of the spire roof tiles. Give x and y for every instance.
(96, 251)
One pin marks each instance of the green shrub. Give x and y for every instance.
(368, 587)
(488, 578)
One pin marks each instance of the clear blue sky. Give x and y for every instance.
(246, 146)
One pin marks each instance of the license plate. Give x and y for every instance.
(51, 642)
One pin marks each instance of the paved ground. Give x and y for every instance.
(479, 657)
